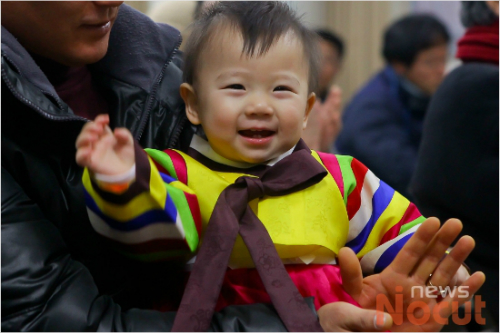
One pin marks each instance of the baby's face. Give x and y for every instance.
(251, 109)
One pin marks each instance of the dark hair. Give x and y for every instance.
(261, 24)
(476, 13)
(412, 34)
(333, 39)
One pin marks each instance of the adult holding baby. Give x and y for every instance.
(63, 63)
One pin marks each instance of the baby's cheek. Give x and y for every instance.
(293, 125)
(220, 132)
(223, 124)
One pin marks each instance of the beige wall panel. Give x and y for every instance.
(361, 23)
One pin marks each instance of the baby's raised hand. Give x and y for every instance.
(104, 151)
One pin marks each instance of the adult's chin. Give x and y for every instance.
(84, 55)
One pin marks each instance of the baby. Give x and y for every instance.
(250, 72)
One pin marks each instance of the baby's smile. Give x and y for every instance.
(256, 133)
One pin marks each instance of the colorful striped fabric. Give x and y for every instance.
(158, 217)
(380, 219)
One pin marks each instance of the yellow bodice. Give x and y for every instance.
(308, 226)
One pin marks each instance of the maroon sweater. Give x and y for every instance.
(75, 87)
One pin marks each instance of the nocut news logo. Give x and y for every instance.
(418, 312)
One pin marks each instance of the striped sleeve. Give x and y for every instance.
(380, 219)
(157, 218)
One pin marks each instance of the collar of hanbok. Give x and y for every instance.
(203, 147)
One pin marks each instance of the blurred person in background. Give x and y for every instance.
(382, 125)
(325, 121)
(332, 50)
(457, 167)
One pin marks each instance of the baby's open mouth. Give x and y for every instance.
(256, 134)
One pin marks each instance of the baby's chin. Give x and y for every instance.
(253, 157)
(259, 159)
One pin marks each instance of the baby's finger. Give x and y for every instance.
(444, 273)
(106, 142)
(83, 156)
(86, 139)
(107, 130)
(123, 136)
(90, 131)
(437, 249)
(102, 119)
(414, 249)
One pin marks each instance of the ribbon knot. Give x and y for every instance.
(255, 187)
(231, 216)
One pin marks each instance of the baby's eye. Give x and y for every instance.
(282, 88)
(235, 86)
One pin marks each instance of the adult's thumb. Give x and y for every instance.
(346, 317)
(381, 321)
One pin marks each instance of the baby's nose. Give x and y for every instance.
(259, 108)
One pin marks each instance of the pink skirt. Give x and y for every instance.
(244, 286)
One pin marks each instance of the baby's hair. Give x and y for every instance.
(261, 24)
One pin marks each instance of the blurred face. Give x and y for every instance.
(427, 71)
(330, 64)
(72, 33)
(251, 109)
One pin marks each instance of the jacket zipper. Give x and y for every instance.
(27, 102)
(178, 130)
(153, 92)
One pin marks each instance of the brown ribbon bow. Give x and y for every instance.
(233, 215)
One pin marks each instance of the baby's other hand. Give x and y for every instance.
(104, 151)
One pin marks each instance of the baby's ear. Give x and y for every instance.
(309, 106)
(189, 96)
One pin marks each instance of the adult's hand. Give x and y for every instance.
(346, 317)
(324, 122)
(420, 257)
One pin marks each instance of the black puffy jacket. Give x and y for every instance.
(57, 274)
